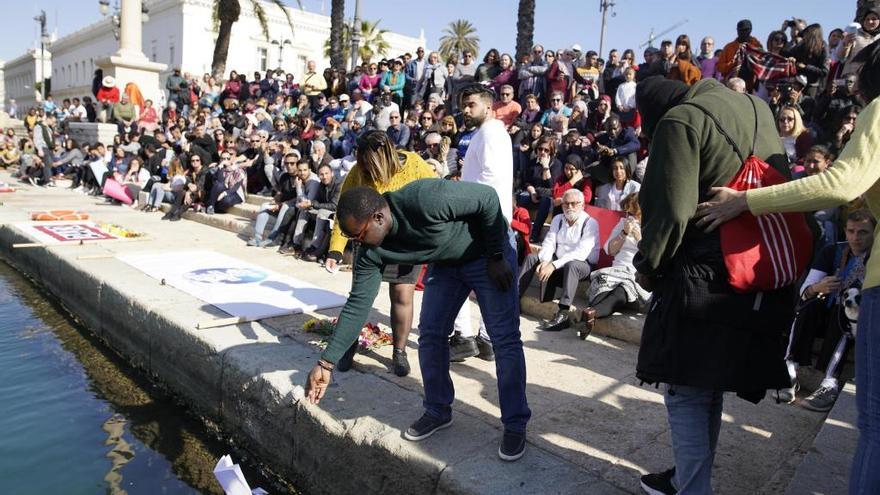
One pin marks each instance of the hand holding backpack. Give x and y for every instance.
(764, 252)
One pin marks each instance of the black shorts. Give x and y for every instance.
(401, 274)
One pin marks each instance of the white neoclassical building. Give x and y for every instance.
(180, 33)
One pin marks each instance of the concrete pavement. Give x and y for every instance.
(594, 428)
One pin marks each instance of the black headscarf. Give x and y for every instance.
(654, 97)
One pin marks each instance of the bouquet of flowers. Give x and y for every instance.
(372, 336)
(118, 230)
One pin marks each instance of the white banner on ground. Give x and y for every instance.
(62, 232)
(236, 287)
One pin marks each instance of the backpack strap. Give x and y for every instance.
(725, 134)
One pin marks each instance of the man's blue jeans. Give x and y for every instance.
(865, 478)
(446, 288)
(694, 422)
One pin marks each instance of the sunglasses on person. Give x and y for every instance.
(556, 99)
(359, 237)
(195, 160)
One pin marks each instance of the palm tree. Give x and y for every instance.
(372, 41)
(337, 23)
(525, 28)
(226, 13)
(458, 37)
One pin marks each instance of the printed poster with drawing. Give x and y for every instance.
(239, 288)
(54, 232)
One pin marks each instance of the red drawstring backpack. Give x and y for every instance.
(763, 252)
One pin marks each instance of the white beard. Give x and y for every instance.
(571, 215)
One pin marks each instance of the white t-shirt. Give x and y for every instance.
(489, 161)
(624, 258)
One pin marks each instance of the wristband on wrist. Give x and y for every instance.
(325, 365)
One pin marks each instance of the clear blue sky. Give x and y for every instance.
(558, 23)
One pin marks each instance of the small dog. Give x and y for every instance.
(851, 299)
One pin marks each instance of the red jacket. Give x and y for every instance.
(522, 224)
(108, 95)
(561, 185)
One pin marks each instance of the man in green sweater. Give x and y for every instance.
(460, 229)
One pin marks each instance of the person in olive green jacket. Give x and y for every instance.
(701, 338)
(460, 229)
(125, 114)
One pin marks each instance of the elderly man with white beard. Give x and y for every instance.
(568, 250)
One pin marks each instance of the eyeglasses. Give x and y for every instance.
(359, 237)
(538, 51)
(506, 94)
(572, 203)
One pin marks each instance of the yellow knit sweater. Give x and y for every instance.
(855, 172)
(414, 168)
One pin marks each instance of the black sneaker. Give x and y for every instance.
(424, 427)
(513, 446)
(659, 483)
(399, 362)
(487, 352)
(822, 400)
(347, 359)
(461, 348)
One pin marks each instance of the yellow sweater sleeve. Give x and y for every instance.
(855, 172)
(337, 241)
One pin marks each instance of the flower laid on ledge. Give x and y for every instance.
(118, 230)
(372, 336)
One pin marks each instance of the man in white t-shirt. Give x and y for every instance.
(78, 111)
(489, 161)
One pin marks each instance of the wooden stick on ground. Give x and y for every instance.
(81, 243)
(222, 322)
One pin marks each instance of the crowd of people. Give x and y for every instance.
(570, 146)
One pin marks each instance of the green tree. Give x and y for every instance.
(372, 41)
(337, 25)
(458, 36)
(227, 13)
(525, 28)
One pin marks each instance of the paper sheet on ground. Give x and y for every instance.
(236, 287)
(60, 232)
(232, 480)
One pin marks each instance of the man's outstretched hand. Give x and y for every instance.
(319, 380)
(499, 272)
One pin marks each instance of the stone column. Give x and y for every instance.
(129, 64)
(130, 30)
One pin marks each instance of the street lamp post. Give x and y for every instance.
(355, 34)
(281, 44)
(44, 40)
(604, 7)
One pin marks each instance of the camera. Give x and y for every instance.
(790, 23)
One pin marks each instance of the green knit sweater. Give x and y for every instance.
(434, 221)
